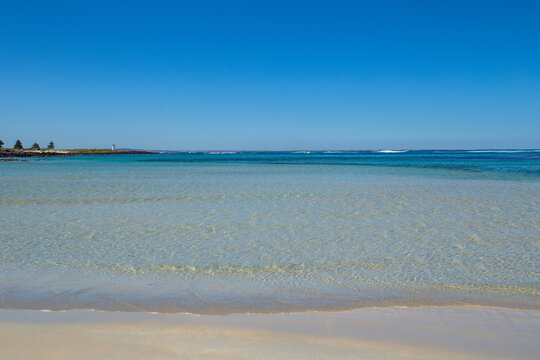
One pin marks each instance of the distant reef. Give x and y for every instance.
(16, 153)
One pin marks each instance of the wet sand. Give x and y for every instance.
(373, 333)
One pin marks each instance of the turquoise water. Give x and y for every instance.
(271, 232)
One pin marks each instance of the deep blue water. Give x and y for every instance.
(495, 163)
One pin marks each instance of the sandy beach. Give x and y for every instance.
(372, 333)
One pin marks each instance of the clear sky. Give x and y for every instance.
(259, 75)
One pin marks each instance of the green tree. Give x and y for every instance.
(51, 145)
(35, 146)
(18, 145)
(1, 144)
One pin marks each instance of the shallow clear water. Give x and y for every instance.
(265, 232)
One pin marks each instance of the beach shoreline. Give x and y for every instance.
(465, 332)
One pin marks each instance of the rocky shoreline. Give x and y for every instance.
(12, 153)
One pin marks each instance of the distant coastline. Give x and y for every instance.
(24, 153)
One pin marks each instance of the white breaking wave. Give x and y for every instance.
(391, 151)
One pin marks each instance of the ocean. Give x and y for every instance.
(264, 232)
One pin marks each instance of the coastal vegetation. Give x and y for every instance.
(35, 146)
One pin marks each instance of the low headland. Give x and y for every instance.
(25, 153)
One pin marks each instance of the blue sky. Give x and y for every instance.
(271, 75)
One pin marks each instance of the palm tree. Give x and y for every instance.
(51, 145)
(18, 145)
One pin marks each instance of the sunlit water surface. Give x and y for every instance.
(269, 232)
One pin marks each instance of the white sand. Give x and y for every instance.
(404, 333)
